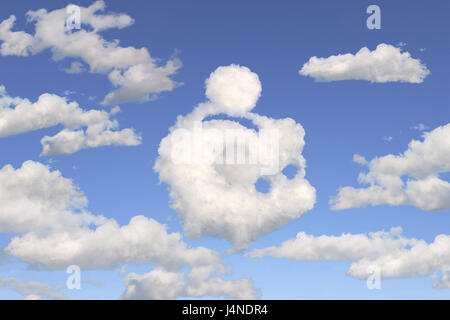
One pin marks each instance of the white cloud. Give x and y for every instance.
(75, 67)
(384, 64)
(421, 164)
(393, 254)
(35, 199)
(233, 89)
(141, 82)
(55, 230)
(359, 159)
(421, 260)
(32, 290)
(133, 71)
(201, 282)
(142, 240)
(52, 229)
(218, 198)
(82, 128)
(204, 281)
(101, 134)
(68, 92)
(344, 247)
(14, 43)
(420, 127)
(156, 285)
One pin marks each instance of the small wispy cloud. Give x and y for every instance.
(420, 127)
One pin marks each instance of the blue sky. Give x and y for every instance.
(274, 40)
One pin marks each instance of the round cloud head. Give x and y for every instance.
(233, 89)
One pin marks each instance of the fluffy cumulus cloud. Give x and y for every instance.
(82, 128)
(201, 282)
(142, 240)
(211, 166)
(33, 199)
(16, 43)
(233, 89)
(411, 178)
(421, 260)
(52, 229)
(154, 285)
(344, 247)
(394, 255)
(136, 75)
(384, 64)
(32, 290)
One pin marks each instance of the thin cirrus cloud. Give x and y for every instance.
(394, 255)
(52, 229)
(384, 64)
(421, 164)
(133, 72)
(219, 198)
(82, 128)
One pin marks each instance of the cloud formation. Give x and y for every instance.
(213, 187)
(344, 247)
(421, 163)
(136, 75)
(107, 245)
(34, 199)
(384, 64)
(201, 282)
(393, 254)
(234, 90)
(421, 260)
(82, 128)
(14, 43)
(52, 229)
